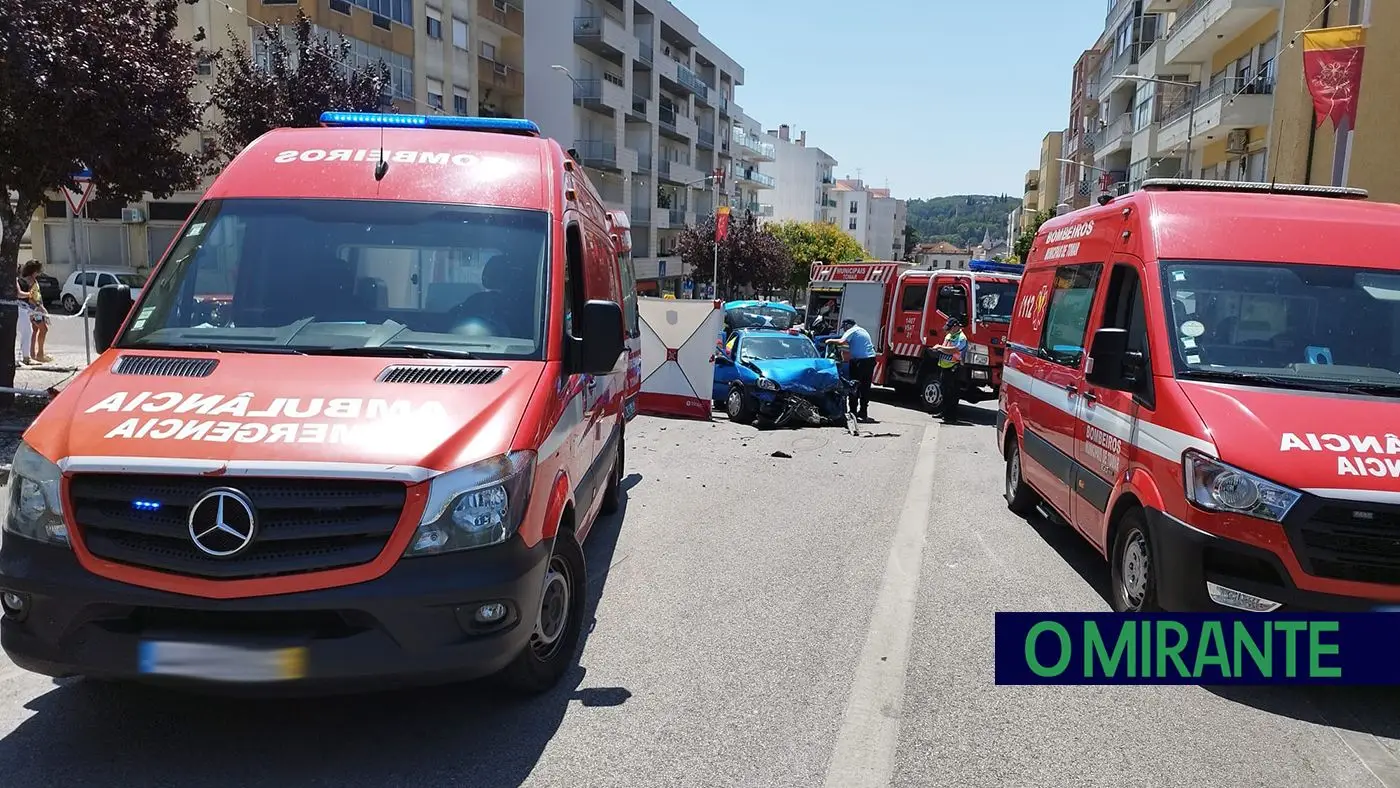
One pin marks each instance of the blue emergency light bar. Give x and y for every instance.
(385, 120)
(993, 267)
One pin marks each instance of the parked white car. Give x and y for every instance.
(96, 279)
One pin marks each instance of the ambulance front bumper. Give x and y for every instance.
(1189, 561)
(419, 623)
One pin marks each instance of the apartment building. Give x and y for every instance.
(1077, 174)
(462, 57)
(1130, 30)
(1030, 201)
(871, 216)
(1051, 150)
(804, 180)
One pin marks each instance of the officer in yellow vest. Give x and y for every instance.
(950, 359)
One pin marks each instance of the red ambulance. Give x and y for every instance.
(1204, 382)
(620, 228)
(376, 464)
(905, 310)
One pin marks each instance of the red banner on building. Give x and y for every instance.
(721, 223)
(1332, 59)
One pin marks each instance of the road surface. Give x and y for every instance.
(819, 619)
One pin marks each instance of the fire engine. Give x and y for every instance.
(905, 310)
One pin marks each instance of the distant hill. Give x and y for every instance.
(961, 219)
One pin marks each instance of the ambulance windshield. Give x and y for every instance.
(1285, 325)
(351, 277)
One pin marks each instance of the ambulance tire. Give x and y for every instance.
(557, 625)
(1133, 566)
(1020, 498)
(612, 494)
(740, 406)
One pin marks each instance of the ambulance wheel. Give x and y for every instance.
(1020, 498)
(1133, 566)
(557, 624)
(740, 407)
(930, 391)
(612, 495)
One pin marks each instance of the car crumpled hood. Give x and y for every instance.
(1304, 440)
(801, 375)
(261, 408)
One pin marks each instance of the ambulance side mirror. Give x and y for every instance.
(600, 344)
(113, 304)
(1111, 364)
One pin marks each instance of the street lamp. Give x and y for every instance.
(566, 73)
(1191, 110)
(714, 179)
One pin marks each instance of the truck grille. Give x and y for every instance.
(1350, 541)
(304, 525)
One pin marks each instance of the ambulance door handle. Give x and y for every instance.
(1090, 396)
(1071, 388)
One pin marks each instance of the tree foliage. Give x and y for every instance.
(288, 84)
(86, 83)
(912, 239)
(810, 242)
(962, 219)
(1022, 247)
(749, 255)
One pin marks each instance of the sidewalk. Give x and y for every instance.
(56, 375)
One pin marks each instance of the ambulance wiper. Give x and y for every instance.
(1283, 381)
(206, 347)
(391, 351)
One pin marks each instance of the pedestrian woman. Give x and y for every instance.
(38, 315)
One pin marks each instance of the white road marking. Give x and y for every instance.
(865, 745)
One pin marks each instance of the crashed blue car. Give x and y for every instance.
(778, 378)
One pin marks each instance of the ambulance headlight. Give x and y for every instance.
(476, 506)
(35, 500)
(1214, 486)
(767, 384)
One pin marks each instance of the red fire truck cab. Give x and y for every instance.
(905, 311)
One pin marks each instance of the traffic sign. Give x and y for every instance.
(78, 197)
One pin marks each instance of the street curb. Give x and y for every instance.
(4, 474)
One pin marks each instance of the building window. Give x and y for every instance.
(1142, 112)
(459, 34)
(434, 24)
(853, 207)
(488, 51)
(852, 224)
(205, 67)
(1256, 165)
(435, 93)
(461, 102)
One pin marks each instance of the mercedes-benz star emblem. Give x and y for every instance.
(222, 522)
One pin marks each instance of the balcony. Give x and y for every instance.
(1117, 136)
(1203, 25)
(639, 214)
(598, 154)
(645, 54)
(765, 210)
(606, 96)
(503, 14)
(753, 149)
(1227, 104)
(827, 202)
(752, 176)
(643, 161)
(705, 139)
(675, 125)
(662, 217)
(1125, 63)
(828, 180)
(681, 76)
(601, 35)
(677, 217)
(503, 78)
(724, 106)
(1032, 186)
(638, 108)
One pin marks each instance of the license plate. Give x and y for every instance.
(221, 663)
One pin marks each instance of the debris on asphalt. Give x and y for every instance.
(781, 454)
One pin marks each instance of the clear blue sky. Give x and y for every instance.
(934, 96)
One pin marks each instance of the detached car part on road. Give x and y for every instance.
(353, 432)
(778, 379)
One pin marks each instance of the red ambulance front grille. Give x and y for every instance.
(1358, 542)
(304, 525)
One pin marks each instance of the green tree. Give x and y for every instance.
(289, 83)
(89, 83)
(911, 240)
(811, 242)
(1022, 247)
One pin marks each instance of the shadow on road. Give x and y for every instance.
(1075, 550)
(1368, 710)
(86, 733)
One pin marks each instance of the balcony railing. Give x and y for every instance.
(597, 153)
(754, 176)
(764, 209)
(500, 75)
(828, 203)
(752, 144)
(706, 138)
(1121, 125)
(639, 214)
(828, 180)
(1032, 185)
(1185, 13)
(504, 13)
(639, 105)
(667, 117)
(588, 89)
(724, 106)
(643, 161)
(687, 78)
(677, 216)
(645, 51)
(664, 168)
(1261, 85)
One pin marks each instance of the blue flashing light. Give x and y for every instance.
(385, 120)
(146, 506)
(993, 267)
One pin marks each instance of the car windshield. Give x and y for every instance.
(351, 276)
(131, 280)
(995, 301)
(760, 316)
(1281, 325)
(760, 348)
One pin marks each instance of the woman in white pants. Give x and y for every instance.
(24, 330)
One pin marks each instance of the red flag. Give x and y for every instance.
(721, 223)
(1332, 59)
